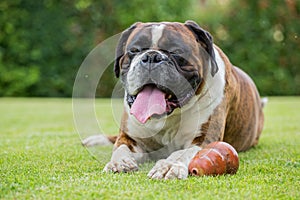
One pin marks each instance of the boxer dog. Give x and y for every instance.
(181, 93)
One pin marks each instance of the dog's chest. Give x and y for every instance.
(167, 134)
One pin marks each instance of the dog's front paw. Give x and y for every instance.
(166, 169)
(121, 165)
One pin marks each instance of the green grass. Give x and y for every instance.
(41, 158)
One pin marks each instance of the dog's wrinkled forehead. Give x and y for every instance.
(159, 35)
(185, 39)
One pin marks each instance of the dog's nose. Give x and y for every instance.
(153, 57)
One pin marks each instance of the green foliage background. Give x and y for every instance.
(43, 43)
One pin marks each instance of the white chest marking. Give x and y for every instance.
(156, 32)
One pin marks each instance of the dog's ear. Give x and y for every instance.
(120, 50)
(206, 41)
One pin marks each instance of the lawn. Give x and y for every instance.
(41, 158)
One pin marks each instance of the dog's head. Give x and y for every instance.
(163, 64)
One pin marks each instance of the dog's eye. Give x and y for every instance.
(134, 50)
(177, 52)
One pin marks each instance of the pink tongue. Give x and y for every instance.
(148, 102)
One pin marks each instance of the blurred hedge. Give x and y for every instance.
(263, 38)
(42, 43)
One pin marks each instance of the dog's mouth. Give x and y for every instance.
(155, 101)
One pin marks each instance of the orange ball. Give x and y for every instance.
(217, 158)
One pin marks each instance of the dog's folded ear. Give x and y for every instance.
(120, 50)
(206, 41)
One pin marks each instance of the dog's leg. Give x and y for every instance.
(122, 160)
(175, 166)
(126, 155)
(101, 140)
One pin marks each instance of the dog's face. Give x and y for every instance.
(165, 62)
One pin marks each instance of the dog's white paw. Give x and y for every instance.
(125, 164)
(94, 140)
(122, 160)
(166, 169)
